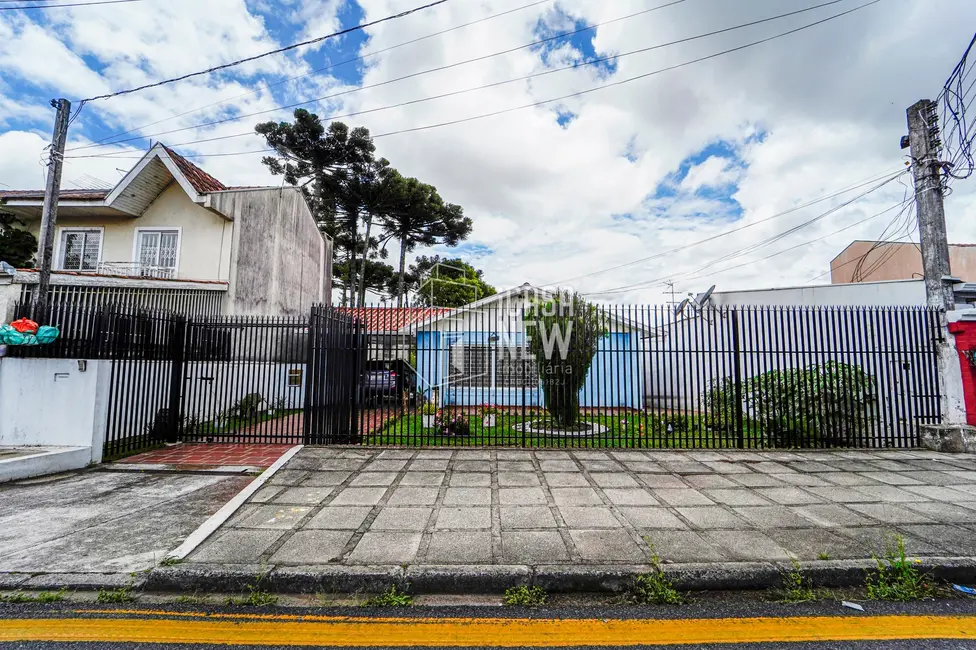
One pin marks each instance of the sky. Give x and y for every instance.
(594, 191)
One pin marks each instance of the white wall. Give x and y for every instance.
(887, 294)
(52, 402)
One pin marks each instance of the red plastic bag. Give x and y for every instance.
(24, 326)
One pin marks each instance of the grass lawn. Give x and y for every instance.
(632, 429)
(223, 425)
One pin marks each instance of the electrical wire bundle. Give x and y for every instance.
(958, 130)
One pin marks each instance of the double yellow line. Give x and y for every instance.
(490, 632)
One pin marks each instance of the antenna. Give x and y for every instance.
(681, 306)
(702, 299)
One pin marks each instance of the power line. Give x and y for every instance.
(449, 66)
(323, 69)
(512, 109)
(753, 247)
(724, 233)
(71, 4)
(902, 205)
(269, 53)
(629, 79)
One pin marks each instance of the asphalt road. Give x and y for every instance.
(690, 626)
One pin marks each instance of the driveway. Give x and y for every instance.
(100, 521)
(375, 507)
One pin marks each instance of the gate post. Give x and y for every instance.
(736, 364)
(177, 347)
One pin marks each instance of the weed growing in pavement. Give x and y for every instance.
(389, 598)
(654, 588)
(898, 577)
(191, 599)
(824, 555)
(796, 588)
(171, 561)
(525, 596)
(42, 597)
(256, 597)
(115, 596)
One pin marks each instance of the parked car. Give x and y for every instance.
(387, 381)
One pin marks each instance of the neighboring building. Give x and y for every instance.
(171, 235)
(477, 354)
(895, 261)
(879, 294)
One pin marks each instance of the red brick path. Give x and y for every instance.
(212, 455)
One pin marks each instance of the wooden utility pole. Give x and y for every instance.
(923, 141)
(49, 214)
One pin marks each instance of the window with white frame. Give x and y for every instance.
(158, 248)
(79, 249)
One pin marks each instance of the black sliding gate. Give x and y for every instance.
(721, 377)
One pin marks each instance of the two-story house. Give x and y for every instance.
(170, 235)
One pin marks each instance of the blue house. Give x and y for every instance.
(477, 354)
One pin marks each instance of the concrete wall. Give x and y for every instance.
(205, 239)
(281, 263)
(897, 261)
(881, 294)
(53, 402)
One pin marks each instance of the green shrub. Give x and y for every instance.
(389, 598)
(525, 596)
(429, 408)
(897, 577)
(796, 407)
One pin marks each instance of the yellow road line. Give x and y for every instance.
(489, 632)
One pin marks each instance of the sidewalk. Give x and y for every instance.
(443, 518)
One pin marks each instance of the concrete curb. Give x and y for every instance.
(494, 579)
(207, 528)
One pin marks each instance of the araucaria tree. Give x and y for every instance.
(422, 218)
(350, 191)
(563, 334)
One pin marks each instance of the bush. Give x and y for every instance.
(796, 407)
(452, 425)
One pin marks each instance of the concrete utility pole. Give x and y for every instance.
(923, 140)
(49, 215)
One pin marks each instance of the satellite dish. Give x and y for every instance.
(702, 298)
(681, 306)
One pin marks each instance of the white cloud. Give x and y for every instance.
(556, 202)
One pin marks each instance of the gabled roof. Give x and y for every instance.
(155, 171)
(201, 181)
(391, 319)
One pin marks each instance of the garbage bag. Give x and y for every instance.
(24, 325)
(47, 334)
(10, 336)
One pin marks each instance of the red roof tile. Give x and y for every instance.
(391, 319)
(201, 181)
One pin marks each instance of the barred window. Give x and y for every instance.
(470, 365)
(515, 368)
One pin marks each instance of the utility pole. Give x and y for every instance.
(924, 143)
(923, 138)
(49, 214)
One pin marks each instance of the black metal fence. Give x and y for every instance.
(516, 373)
(565, 374)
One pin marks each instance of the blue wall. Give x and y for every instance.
(615, 378)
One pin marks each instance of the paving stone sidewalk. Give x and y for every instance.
(395, 507)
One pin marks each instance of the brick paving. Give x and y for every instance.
(211, 455)
(598, 507)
